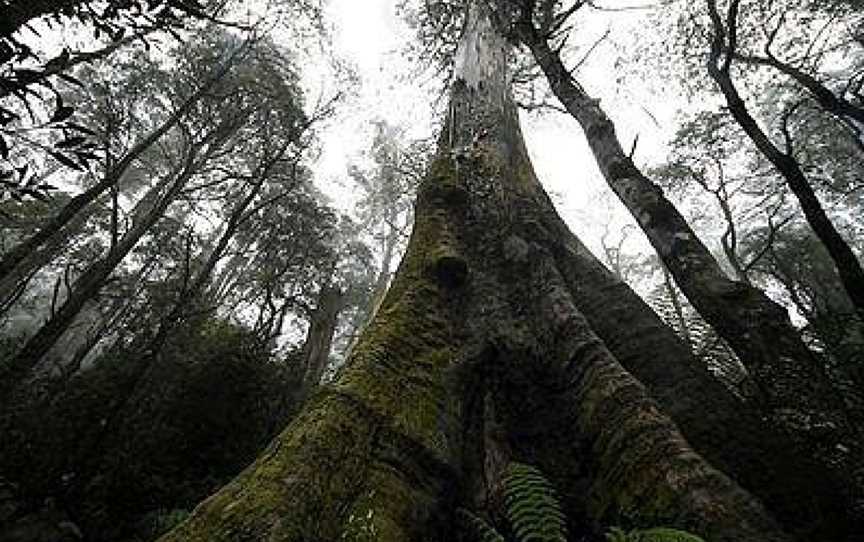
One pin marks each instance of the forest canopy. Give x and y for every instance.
(558, 270)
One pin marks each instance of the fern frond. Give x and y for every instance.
(477, 526)
(656, 534)
(531, 505)
(664, 534)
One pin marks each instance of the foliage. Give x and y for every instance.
(140, 432)
(656, 534)
(479, 529)
(33, 101)
(533, 512)
(532, 506)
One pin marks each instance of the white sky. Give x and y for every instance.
(368, 34)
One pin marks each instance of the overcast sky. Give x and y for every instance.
(369, 34)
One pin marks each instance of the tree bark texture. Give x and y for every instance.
(388, 449)
(796, 394)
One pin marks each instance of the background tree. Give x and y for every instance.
(478, 309)
(504, 350)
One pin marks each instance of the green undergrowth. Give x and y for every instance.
(533, 514)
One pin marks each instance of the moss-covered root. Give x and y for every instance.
(729, 433)
(644, 472)
(371, 456)
(337, 473)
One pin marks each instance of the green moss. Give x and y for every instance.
(370, 455)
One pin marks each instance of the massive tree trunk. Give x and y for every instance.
(480, 307)
(795, 392)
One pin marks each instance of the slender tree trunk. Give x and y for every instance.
(146, 363)
(20, 276)
(319, 338)
(380, 453)
(795, 391)
(827, 99)
(54, 226)
(89, 284)
(202, 278)
(848, 266)
(677, 306)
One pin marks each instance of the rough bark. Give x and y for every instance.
(381, 453)
(795, 391)
(373, 453)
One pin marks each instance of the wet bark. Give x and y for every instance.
(371, 454)
(381, 452)
(795, 391)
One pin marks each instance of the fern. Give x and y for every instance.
(656, 534)
(532, 506)
(482, 531)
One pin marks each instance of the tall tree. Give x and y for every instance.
(256, 127)
(21, 260)
(724, 48)
(480, 324)
(794, 390)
